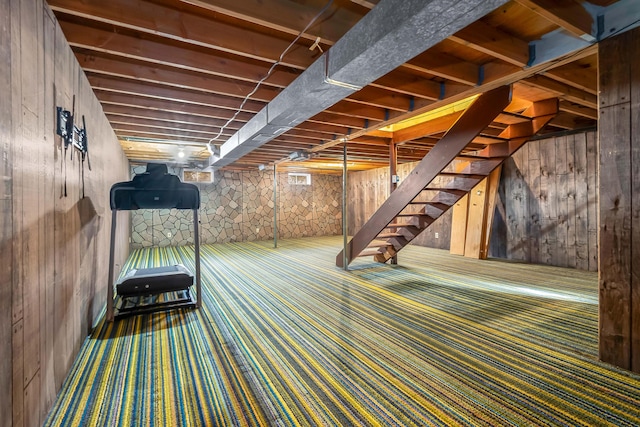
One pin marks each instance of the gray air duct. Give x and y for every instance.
(391, 34)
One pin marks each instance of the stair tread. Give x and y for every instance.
(388, 235)
(378, 243)
(490, 136)
(517, 115)
(404, 215)
(369, 252)
(465, 175)
(472, 157)
(434, 204)
(457, 191)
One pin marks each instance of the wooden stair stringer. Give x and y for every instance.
(471, 122)
(509, 148)
(401, 235)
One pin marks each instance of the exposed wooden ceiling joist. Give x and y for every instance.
(171, 68)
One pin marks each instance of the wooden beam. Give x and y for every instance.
(125, 130)
(116, 120)
(567, 14)
(186, 79)
(446, 66)
(159, 92)
(381, 98)
(149, 18)
(581, 74)
(352, 123)
(569, 121)
(287, 16)
(441, 124)
(145, 102)
(169, 23)
(290, 17)
(563, 91)
(80, 36)
(166, 116)
(490, 40)
(175, 107)
(365, 112)
(177, 78)
(508, 79)
(579, 110)
(410, 84)
(166, 93)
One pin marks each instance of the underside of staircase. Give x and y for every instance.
(449, 171)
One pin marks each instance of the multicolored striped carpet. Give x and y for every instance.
(286, 338)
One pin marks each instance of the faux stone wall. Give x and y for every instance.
(238, 206)
(310, 210)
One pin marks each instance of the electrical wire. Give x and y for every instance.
(275, 64)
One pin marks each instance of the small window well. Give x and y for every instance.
(299, 178)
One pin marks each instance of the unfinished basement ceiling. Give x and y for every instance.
(170, 73)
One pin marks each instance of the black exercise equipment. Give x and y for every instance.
(154, 189)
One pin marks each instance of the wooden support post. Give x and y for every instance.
(6, 218)
(472, 218)
(619, 231)
(476, 220)
(459, 226)
(492, 193)
(459, 219)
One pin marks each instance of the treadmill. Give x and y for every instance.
(147, 290)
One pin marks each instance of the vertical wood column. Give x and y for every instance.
(6, 217)
(619, 188)
(473, 217)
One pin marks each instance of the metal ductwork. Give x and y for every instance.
(391, 34)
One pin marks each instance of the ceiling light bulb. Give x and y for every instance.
(181, 154)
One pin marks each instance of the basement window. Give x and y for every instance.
(299, 178)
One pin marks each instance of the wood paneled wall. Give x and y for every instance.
(54, 247)
(367, 190)
(619, 136)
(548, 201)
(6, 218)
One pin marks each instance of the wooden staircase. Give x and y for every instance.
(445, 175)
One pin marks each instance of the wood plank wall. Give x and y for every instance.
(367, 190)
(547, 207)
(6, 219)
(54, 247)
(619, 136)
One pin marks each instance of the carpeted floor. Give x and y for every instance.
(286, 338)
